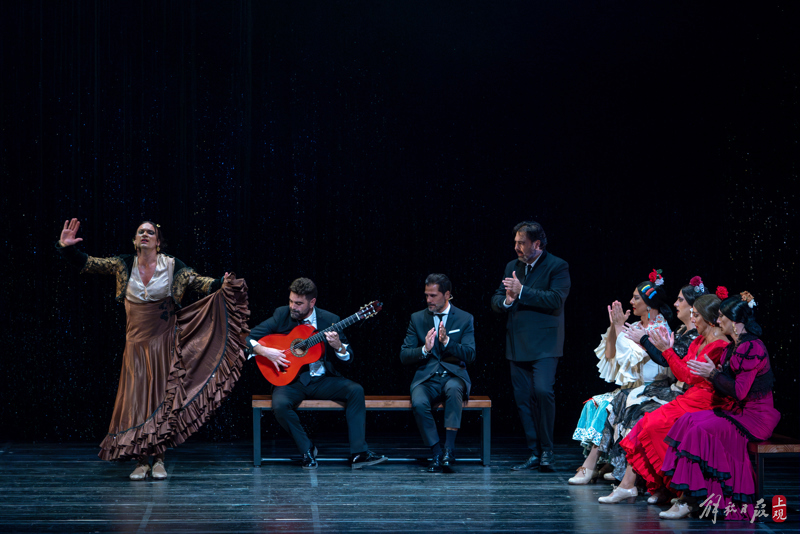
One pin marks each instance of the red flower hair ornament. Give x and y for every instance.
(722, 292)
(697, 283)
(656, 278)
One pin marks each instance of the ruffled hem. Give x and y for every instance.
(178, 417)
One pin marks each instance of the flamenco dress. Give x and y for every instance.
(644, 445)
(631, 367)
(707, 456)
(630, 404)
(179, 364)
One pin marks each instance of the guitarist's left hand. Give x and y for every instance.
(334, 341)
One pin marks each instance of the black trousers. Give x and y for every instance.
(533, 392)
(426, 394)
(285, 400)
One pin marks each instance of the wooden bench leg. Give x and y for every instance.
(257, 437)
(486, 436)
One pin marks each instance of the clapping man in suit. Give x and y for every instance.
(319, 380)
(440, 342)
(532, 293)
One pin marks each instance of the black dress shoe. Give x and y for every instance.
(449, 458)
(548, 462)
(310, 458)
(436, 464)
(364, 459)
(531, 463)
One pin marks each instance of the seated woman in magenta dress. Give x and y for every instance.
(644, 445)
(707, 457)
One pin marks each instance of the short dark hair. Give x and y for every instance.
(737, 310)
(708, 308)
(304, 287)
(441, 280)
(533, 230)
(159, 234)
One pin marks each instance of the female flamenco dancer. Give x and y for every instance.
(622, 362)
(707, 457)
(630, 405)
(178, 366)
(644, 445)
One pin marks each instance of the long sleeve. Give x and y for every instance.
(265, 328)
(653, 352)
(746, 362)
(679, 366)
(411, 351)
(553, 297)
(464, 349)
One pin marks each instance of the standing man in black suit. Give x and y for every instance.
(319, 380)
(532, 293)
(440, 341)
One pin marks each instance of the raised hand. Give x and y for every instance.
(429, 338)
(513, 287)
(635, 333)
(617, 316)
(661, 339)
(443, 339)
(69, 232)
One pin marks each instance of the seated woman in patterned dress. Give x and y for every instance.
(644, 446)
(621, 362)
(707, 456)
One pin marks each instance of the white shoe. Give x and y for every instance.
(619, 495)
(610, 477)
(159, 473)
(679, 510)
(140, 473)
(660, 496)
(582, 477)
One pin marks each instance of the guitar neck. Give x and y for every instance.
(336, 327)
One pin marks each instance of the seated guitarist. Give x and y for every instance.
(318, 380)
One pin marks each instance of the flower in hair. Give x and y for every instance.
(697, 282)
(749, 299)
(722, 292)
(656, 278)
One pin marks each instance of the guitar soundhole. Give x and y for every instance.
(297, 348)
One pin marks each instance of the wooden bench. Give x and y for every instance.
(382, 403)
(775, 447)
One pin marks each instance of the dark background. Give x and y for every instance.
(367, 144)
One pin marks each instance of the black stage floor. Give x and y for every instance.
(214, 487)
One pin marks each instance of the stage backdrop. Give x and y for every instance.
(367, 144)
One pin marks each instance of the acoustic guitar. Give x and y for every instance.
(304, 345)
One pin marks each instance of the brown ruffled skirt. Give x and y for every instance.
(176, 370)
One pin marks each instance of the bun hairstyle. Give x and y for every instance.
(708, 308)
(739, 309)
(655, 297)
(694, 290)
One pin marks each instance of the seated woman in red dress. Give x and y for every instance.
(644, 445)
(707, 456)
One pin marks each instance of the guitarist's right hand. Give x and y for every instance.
(277, 357)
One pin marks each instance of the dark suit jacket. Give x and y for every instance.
(281, 322)
(535, 326)
(454, 357)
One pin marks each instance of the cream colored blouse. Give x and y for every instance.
(159, 286)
